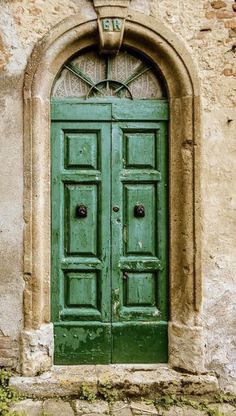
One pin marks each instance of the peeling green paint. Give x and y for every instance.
(109, 285)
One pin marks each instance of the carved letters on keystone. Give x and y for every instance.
(111, 22)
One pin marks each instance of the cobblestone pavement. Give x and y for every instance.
(58, 407)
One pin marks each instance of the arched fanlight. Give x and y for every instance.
(122, 76)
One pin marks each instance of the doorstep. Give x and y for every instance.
(127, 380)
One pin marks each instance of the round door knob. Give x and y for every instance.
(116, 209)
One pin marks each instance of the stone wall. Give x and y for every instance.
(208, 30)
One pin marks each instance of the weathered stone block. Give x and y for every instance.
(224, 409)
(180, 411)
(186, 348)
(98, 407)
(121, 409)
(28, 407)
(37, 350)
(140, 408)
(57, 407)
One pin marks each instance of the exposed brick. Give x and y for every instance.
(7, 342)
(218, 4)
(4, 54)
(232, 33)
(7, 362)
(200, 35)
(228, 72)
(231, 24)
(34, 11)
(7, 353)
(210, 15)
(223, 14)
(20, 10)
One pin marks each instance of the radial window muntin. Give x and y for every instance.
(90, 75)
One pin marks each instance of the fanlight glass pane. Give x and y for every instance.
(122, 76)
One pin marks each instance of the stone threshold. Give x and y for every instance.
(128, 381)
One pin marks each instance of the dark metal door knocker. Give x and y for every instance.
(139, 211)
(81, 211)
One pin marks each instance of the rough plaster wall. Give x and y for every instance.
(208, 31)
(11, 188)
(22, 24)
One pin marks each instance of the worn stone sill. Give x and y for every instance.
(128, 380)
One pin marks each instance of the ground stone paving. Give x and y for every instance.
(51, 407)
(58, 407)
(99, 407)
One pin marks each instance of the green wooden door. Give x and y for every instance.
(109, 231)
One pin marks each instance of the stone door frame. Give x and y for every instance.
(152, 39)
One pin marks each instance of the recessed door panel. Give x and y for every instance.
(82, 296)
(82, 289)
(81, 227)
(140, 219)
(140, 289)
(81, 150)
(140, 150)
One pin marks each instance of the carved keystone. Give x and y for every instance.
(111, 22)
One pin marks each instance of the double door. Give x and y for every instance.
(109, 231)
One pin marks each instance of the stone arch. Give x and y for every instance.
(151, 38)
